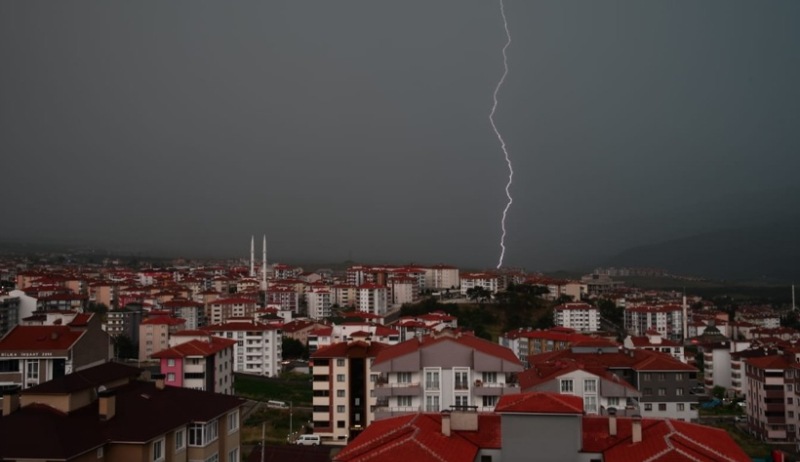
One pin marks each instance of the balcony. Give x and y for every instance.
(386, 412)
(494, 389)
(398, 389)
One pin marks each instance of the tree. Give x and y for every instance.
(478, 294)
(718, 392)
(125, 348)
(293, 349)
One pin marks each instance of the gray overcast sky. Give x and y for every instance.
(360, 127)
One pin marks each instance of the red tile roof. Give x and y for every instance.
(418, 438)
(540, 403)
(39, 338)
(467, 340)
(196, 348)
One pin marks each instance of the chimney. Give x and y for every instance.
(159, 379)
(636, 428)
(446, 423)
(10, 400)
(107, 404)
(612, 421)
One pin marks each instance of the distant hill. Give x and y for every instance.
(760, 252)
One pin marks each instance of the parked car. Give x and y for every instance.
(308, 440)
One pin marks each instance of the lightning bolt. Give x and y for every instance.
(500, 137)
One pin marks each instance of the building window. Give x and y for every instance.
(662, 376)
(789, 387)
(201, 434)
(340, 377)
(566, 386)
(340, 424)
(613, 401)
(678, 377)
(647, 391)
(681, 406)
(32, 369)
(590, 386)
(170, 377)
(662, 392)
(340, 393)
(590, 404)
(404, 401)
(662, 406)
(460, 379)
(646, 377)
(404, 377)
(462, 401)
(340, 409)
(679, 392)
(648, 406)
(100, 452)
(233, 421)
(214, 458)
(171, 362)
(432, 403)
(489, 377)
(339, 362)
(180, 440)
(432, 380)
(233, 455)
(158, 450)
(490, 401)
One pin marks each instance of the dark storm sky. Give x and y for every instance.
(359, 128)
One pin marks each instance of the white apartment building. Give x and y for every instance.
(488, 281)
(441, 277)
(258, 348)
(402, 290)
(582, 317)
(319, 302)
(666, 319)
(442, 371)
(372, 298)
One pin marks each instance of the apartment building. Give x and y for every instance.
(199, 362)
(772, 397)
(234, 307)
(664, 383)
(344, 295)
(258, 346)
(191, 311)
(343, 388)
(107, 414)
(9, 314)
(319, 302)
(442, 277)
(124, 322)
(372, 298)
(487, 281)
(154, 334)
(527, 341)
(599, 389)
(30, 355)
(582, 317)
(335, 333)
(443, 370)
(654, 341)
(666, 319)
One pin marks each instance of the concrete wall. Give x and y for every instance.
(558, 438)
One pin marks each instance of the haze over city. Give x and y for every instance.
(359, 130)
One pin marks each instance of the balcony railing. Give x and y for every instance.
(397, 389)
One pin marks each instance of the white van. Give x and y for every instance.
(308, 440)
(277, 404)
